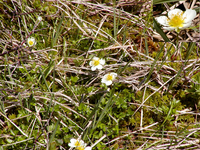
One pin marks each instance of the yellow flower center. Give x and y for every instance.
(80, 148)
(77, 143)
(176, 20)
(109, 77)
(30, 43)
(96, 62)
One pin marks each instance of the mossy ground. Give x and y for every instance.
(49, 93)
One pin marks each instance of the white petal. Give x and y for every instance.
(99, 67)
(114, 75)
(169, 28)
(173, 12)
(102, 61)
(84, 144)
(93, 68)
(72, 142)
(95, 58)
(71, 145)
(39, 18)
(88, 148)
(189, 15)
(186, 25)
(162, 20)
(108, 82)
(81, 142)
(103, 80)
(91, 63)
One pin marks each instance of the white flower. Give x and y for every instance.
(177, 19)
(96, 63)
(88, 148)
(79, 144)
(76, 143)
(31, 41)
(39, 18)
(108, 78)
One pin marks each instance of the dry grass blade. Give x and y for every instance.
(51, 95)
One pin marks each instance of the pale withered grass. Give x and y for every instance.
(49, 95)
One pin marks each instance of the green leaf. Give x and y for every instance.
(57, 32)
(54, 132)
(164, 1)
(74, 79)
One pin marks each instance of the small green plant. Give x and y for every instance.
(86, 75)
